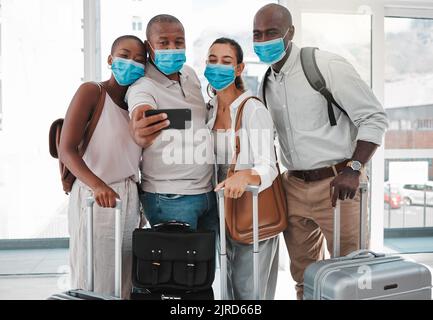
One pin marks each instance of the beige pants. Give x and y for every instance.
(103, 238)
(311, 220)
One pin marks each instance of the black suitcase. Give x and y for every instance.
(172, 261)
(82, 294)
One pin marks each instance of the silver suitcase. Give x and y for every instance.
(223, 252)
(363, 274)
(81, 294)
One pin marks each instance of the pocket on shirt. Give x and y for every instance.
(311, 112)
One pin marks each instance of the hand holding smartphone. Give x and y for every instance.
(180, 119)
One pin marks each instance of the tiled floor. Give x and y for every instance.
(51, 268)
(36, 274)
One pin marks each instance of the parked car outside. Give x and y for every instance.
(392, 196)
(413, 194)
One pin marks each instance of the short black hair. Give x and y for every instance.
(125, 37)
(161, 18)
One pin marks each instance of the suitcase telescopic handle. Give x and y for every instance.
(117, 249)
(362, 253)
(223, 250)
(363, 187)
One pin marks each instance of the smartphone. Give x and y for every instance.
(180, 119)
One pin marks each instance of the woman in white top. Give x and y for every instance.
(256, 164)
(107, 170)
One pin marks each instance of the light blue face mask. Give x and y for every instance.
(220, 76)
(126, 71)
(169, 61)
(272, 51)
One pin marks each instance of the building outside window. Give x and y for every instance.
(409, 146)
(137, 24)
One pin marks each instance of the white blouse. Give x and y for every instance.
(256, 137)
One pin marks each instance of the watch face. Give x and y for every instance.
(356, 165)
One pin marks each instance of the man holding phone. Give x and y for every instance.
(182, 189)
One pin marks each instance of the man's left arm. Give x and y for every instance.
(367, 114)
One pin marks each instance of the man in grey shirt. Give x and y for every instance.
(325, 157)
(176, 181)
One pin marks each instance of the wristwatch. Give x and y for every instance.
(355, 165)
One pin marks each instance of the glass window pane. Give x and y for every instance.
(348, 35)
(408, 218)
(409, 62)
(204, 21)
(42, 67)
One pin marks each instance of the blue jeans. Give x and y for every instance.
(199, 211)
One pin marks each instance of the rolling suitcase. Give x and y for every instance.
(363, 274)
(82, 294)
(223, 251)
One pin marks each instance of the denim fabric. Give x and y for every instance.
(199, 211)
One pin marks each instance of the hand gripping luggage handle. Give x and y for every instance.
(362, 213)
(117, 250)
(223, 274)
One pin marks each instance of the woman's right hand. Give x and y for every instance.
(105, 197)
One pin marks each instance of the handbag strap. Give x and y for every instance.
(91, 126)
(238, 125)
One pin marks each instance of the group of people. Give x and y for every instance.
(127, 154)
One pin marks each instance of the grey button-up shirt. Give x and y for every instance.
(306, 138)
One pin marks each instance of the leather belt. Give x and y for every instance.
(320, 173)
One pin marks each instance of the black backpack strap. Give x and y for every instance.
(265, 82)
(317, 82)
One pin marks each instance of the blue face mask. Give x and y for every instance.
(272, 51)
(169, 61)
(220, 76)
(126, 71)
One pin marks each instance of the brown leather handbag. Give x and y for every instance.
(66, 176)
(272, 203)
